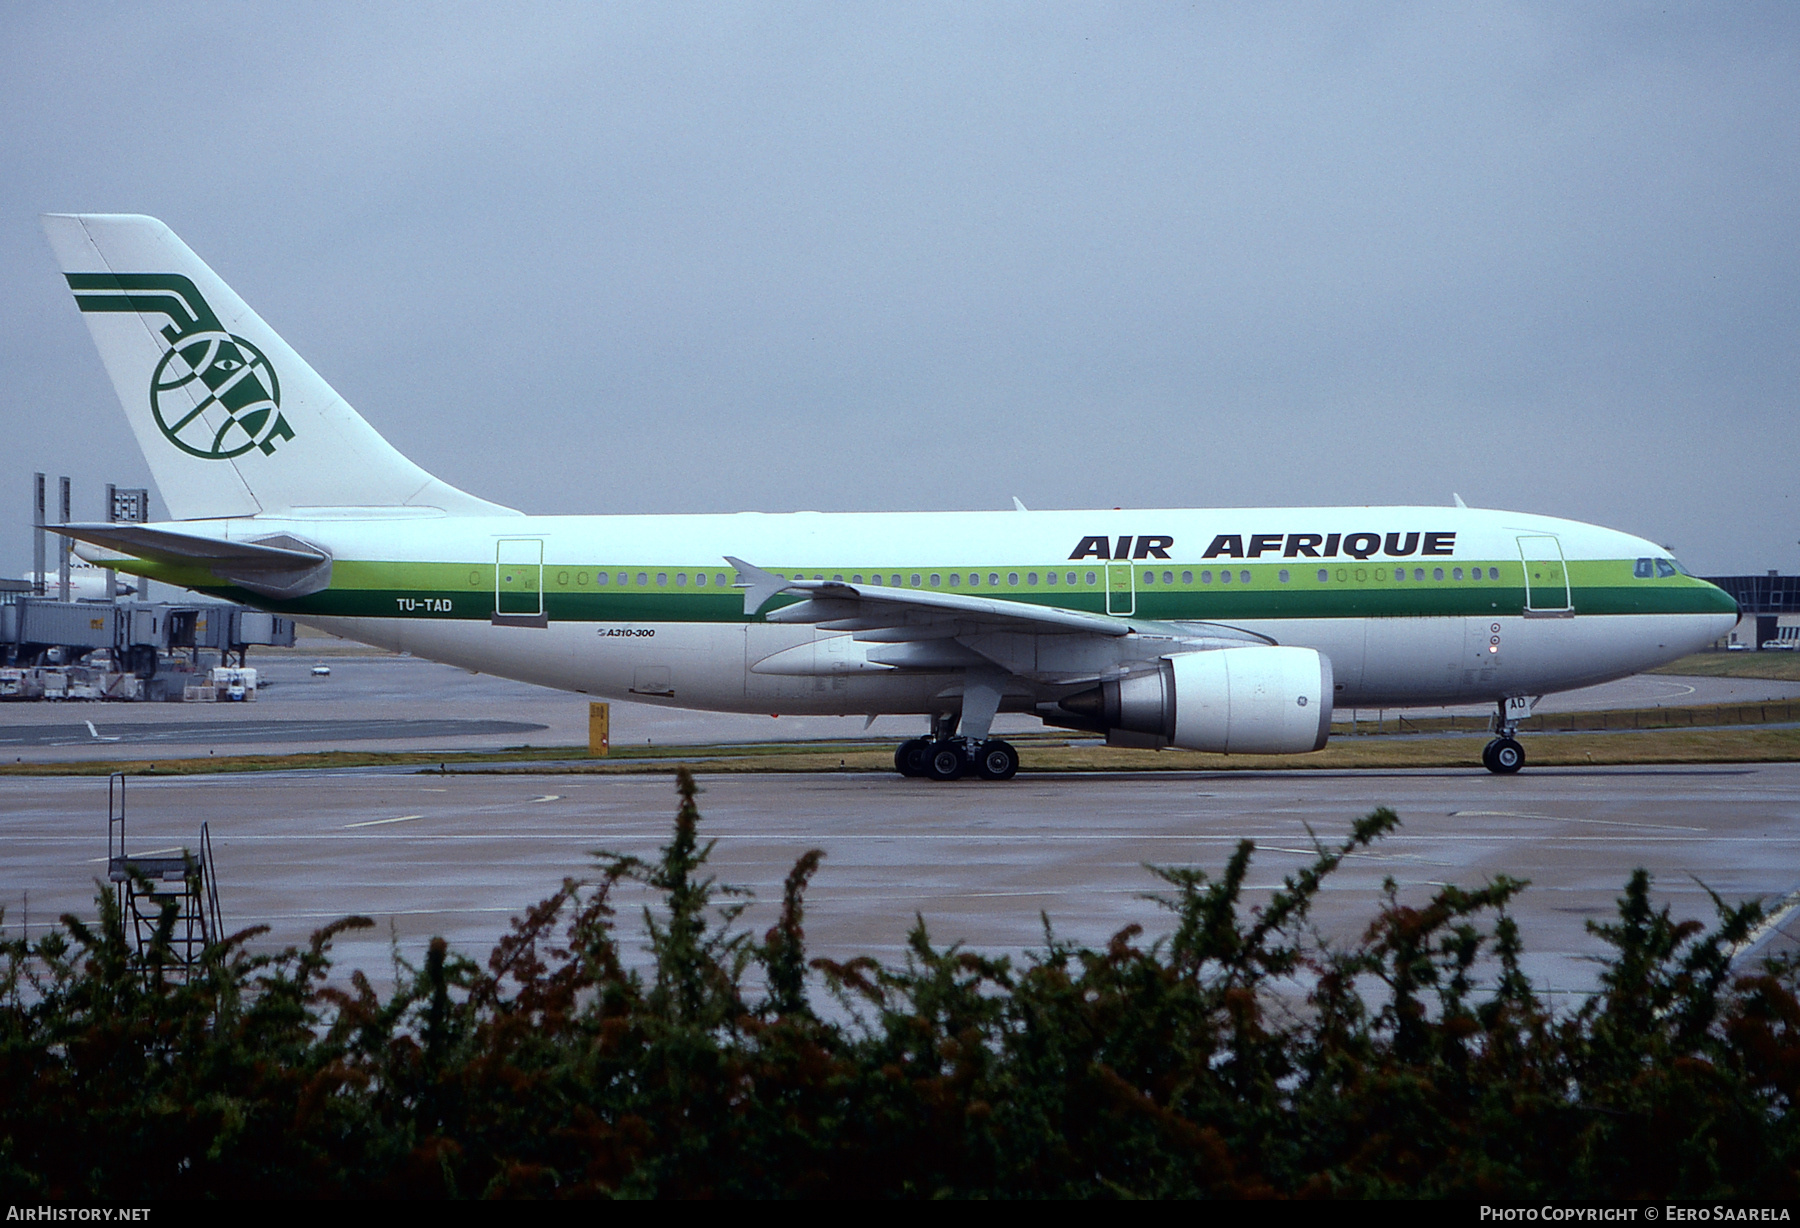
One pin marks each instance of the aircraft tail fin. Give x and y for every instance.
(232, 421)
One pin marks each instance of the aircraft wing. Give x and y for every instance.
(278, 566)
(904, 628)
(835, 605)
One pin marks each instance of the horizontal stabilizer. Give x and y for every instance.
(278, 566)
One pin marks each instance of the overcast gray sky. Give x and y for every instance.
(851, 256)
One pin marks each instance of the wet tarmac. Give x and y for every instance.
(984, 864)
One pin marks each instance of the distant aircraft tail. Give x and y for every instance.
(232, 421)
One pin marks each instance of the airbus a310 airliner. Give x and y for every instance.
(1237, 630)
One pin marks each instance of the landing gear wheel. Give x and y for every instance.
(909, 758)
(1503, 756)
(996, 760)
(944, 761)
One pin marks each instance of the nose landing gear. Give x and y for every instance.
(1503, 756)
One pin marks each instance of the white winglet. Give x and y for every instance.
(758, 585)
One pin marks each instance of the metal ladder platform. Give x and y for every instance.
(178, 885)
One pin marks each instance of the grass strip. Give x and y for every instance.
(1699, 716)
(1775, 665)
(1040, 753)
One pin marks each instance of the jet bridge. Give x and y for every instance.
(140, 635)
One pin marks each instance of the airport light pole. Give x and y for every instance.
(62, 550)
(37, 540)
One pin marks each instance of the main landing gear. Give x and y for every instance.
(944, 756)
(1503, 756)
(956, 757)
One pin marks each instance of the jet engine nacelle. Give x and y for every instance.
(1241, 701)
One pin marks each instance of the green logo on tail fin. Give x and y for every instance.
(213, 395)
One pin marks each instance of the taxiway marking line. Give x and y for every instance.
(1558, 818)
(405, 818)
(146, 853)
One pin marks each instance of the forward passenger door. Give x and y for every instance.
(1547, 593)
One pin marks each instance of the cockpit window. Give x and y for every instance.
(1664, 568)
(1643, 569)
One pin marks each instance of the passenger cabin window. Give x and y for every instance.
(1323, 575)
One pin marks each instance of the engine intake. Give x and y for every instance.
(1241, 701)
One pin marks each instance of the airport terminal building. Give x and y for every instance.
(1771, 609)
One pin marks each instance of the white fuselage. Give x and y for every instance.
(1483, 650)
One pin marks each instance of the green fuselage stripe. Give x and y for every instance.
(674, 593)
